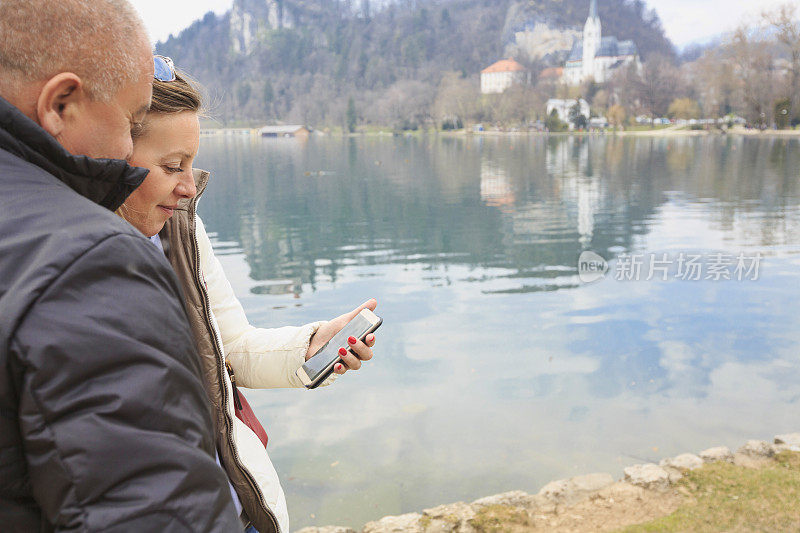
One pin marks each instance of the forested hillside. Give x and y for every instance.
(304, 60)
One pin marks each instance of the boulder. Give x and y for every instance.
(684, 461)
(515, 498)
(449, 517)
(718, 453)
(395, 524)
(788, 441)
(572, 490)
(757, 449)
(327, 529)
(649, 476)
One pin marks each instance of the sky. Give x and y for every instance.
(685, 21)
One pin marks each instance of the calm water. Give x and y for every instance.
(497, 368)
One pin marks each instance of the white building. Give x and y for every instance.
(597, 57)
(500, 76)
(564, 107)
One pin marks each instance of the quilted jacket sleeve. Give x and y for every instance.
(113, 415)
(261, 358)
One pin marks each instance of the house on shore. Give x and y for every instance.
(498, 77)
(298, 131)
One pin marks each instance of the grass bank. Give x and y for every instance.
(726, 497)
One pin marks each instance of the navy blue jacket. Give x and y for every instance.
(104, 422)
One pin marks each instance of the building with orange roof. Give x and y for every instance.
(501, 75)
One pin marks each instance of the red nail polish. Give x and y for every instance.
(339, 367)
(342, 351)
(351, 340)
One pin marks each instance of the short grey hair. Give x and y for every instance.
(99, 40)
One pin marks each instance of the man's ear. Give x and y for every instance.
(60, 98)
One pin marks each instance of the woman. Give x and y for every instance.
(232, 352)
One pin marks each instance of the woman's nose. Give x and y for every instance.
(186, 187)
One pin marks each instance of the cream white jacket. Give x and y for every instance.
(261, 359)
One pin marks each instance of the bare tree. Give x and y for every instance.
(753, 67)
(786, 28)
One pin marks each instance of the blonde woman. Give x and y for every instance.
(232, 352)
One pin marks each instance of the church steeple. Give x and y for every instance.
(592, 38)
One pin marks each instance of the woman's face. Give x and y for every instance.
(167, 147)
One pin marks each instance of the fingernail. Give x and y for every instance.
(342, 351)
(371, 338)
(339, 366)
(351, 340)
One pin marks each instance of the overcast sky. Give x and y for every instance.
(685, 21)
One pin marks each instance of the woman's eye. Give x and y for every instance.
(172, 170)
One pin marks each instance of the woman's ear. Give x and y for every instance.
(60, 99)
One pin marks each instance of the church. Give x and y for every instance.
(597, 57)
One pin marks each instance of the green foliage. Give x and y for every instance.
(351, 116)
(577, 118)
(554, 124)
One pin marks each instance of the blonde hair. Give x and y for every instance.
(102, 41)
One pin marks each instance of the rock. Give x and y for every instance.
(449, 517)
(572, 490)
(684, 461)
(719, 453)
(327, 529)
(757, 448)
(395, 524)
(516, 498)
(788, 441)
(649, 476)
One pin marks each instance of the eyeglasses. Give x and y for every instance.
(164, 68)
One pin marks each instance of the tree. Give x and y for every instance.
(684, 108)
(351, 116)
(783, 21)
(752, 63)
(616, 115)
(457, 99)
(243, 94)
(576, 117)
(657, 85)
(783, 110)
(553, 123)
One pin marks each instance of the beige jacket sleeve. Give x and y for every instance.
(261, 358)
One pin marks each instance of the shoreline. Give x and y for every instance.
(592, 502)
(659, 132)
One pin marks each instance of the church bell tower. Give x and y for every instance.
(591, 40)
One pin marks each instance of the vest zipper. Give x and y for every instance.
(236, 401)
(221, 368)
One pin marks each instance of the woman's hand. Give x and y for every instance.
(359, 351)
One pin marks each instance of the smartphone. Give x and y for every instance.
(320, 365)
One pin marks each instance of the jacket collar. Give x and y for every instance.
(104, 181)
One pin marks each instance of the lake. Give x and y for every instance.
(498, 367)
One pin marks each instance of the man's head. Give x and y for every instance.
(82, 69)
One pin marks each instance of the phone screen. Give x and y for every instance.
(330, 352)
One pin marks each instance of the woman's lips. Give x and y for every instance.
(168, 210)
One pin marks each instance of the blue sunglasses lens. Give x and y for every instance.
(163, 70)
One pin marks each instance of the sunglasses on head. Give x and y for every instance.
(164, 68)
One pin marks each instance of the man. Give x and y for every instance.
(103, 419)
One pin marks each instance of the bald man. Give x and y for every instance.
(104, 422)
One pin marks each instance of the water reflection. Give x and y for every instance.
(497, 369)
